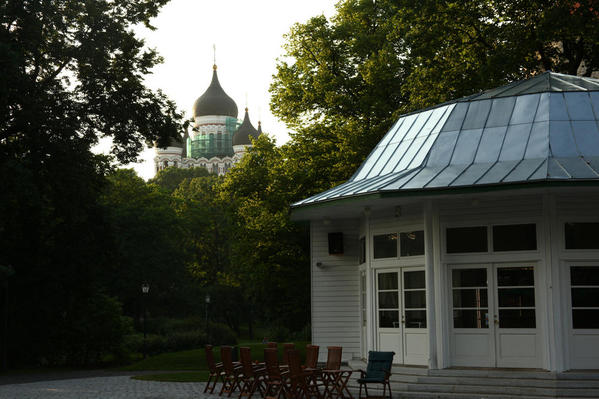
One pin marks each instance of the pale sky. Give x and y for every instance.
(248, 36)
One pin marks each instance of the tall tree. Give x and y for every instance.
(72, 72)
(343, 81)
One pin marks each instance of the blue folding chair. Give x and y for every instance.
(377, 372)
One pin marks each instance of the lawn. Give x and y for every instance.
(193, 360)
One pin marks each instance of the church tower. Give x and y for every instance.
(217, 140)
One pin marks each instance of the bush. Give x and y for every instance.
(279, 334)
(221, 334)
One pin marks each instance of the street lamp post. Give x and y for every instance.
(145, 288)
(207, 301)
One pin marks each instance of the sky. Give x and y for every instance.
(248, 36)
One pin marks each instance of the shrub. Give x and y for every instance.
(279, 333)
(221, 334)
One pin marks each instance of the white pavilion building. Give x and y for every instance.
(468, 243)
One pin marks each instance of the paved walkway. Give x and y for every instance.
(102, 387)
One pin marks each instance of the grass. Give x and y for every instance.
(193, 360)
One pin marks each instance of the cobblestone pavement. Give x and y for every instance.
(112, 387)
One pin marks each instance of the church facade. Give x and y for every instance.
(218, 139)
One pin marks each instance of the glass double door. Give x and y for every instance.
(494, 316)
(401, 314)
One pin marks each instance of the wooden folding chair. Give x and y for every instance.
(298, 379)
(275, 384)
(313, 373)
(335, 380)
(252, 375)
(285, 359)
(232, 371)
(215, 369)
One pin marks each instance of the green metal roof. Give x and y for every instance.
(541, 129)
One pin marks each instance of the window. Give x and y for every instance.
(515, 237)
(388, 298)
(385, 246)
(470, 298)
(516, 297)
(582, 235)
(584, 282)
(411, 243)
(467, 239)
(415, 299)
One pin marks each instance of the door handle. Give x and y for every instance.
(495, 320)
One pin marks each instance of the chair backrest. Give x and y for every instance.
(271, 361)
(311, 356)
(210, 359)
(271, 345)
(226, 356)
(334, 357)
(286, 348)
(295, 367)
(379, 364)
(246, 361)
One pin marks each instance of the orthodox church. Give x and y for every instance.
(218, 139)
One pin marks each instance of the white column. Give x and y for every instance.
(430, 284)
(370, 291)
(555, 342)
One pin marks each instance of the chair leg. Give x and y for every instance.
(389, 384)
(360, 394)
(208, 383)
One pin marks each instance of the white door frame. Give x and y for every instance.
(497, 347)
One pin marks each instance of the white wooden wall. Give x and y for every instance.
(335, 289)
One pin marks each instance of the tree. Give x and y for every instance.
(269, 253)
(342, 83)
(148, 245)
(72, 72)
(170, 178)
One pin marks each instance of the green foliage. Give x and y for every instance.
(342, 82)
(269, 253)
(169, 179)
(72, 72)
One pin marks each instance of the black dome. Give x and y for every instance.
(214, 101)
(242, 135)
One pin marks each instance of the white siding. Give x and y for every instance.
(335, 289)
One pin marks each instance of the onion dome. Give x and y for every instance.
(214, 101)
(242, 135)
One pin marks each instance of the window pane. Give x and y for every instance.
(414, 279)
(412, 243)
(387, 281)
(517, 318)
(389, 318)
(385, 246)
(515, 276)
(415, 318)
(585, 297)
(585, 318)
(582, 235)
(516, 297)
(415, 299)
(470, 318)
(584, 275)
(470, 298)
(469, 278)
(467, 239)
(515, 237)
(388, 300)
